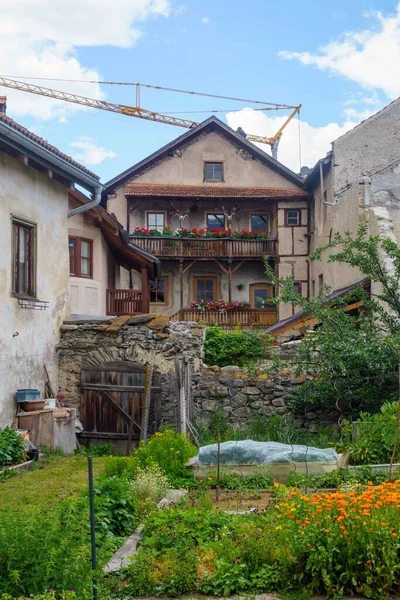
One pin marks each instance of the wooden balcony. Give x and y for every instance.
(174, 247)
(124, 302)
(251, 317)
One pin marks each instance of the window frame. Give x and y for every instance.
(216, 214)
(213, 180)
(78, 256)
(268, 217)
(30, 277)
(166, 292)
(198, 278)
(155, 212)
(298, 286)
(287, 211)
(259, 286)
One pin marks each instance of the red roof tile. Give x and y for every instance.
(214, 191)
(45, 144)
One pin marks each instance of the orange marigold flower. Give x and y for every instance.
(327, 531)
(368, 562)
(394, 534)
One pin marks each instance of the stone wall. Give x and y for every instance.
(153, 340)
(241, 396)
(147, 340)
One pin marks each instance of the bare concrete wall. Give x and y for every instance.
(28, 337)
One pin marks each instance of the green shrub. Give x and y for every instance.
(167, 449)
(240, 348)
(50, 595)
(11, 447)
(374, 436)
(336, 479)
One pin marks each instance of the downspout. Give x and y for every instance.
(321, 179)
(81, 209)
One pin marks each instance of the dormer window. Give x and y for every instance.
(213, 171)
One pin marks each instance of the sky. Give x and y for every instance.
(340, 61)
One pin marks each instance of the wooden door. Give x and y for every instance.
(112, 398)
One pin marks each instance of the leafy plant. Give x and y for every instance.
(149, 487)
(167, 449)
(11, 447)
(241, 348)
(374, 436)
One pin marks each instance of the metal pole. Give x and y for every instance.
(92, 525)
(218, 467)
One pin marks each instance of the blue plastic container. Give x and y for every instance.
(26, 395)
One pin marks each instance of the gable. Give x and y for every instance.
(182, 161)
(186, 166)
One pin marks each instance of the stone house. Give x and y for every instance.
(39, 210)
(246, 205)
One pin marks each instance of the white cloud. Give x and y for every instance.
(315, 141)
(369, 57)
(40, 38)
(90, 154)
(205, 20)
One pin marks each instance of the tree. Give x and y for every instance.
(351, 359)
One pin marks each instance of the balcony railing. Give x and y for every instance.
(124, 302)
(174, 247)
(251, 317)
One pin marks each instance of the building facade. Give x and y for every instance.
(212, 206)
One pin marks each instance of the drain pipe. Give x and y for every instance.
(321, 179)
(97, 197)
(31, 148)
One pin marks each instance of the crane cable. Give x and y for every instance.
(275, 106)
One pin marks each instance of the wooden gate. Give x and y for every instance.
(120, 404)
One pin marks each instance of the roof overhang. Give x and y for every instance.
(213, 191)
(128, 255)
(304, 319)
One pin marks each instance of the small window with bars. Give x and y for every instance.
(214, 221)
(293, 218)
(80, 257)
(213, 171)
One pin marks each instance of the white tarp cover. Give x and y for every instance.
(248, 452)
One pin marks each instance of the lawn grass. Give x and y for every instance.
(53, 480)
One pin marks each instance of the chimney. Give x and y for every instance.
(3, 104)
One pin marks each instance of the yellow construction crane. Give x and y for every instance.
(142, 113)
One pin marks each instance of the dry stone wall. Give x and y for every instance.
(147, 339)
(241, 396)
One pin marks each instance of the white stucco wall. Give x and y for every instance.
(28, 337)
(88, 295)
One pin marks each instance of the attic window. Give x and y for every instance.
(213, 171)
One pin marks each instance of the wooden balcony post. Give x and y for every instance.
(145, 291)
(230, 281)
(181, 290)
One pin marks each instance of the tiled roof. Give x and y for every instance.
(45, 144)
(214, 191)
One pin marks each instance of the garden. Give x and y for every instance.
(234, 532)
(333, 534)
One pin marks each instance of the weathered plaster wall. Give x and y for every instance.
(28, 337)
(368, 148)
(186, 166)
(88, 295)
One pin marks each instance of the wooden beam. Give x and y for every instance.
(238, 266)
(181, 287)
(145, 291)
(221, 267)
(105, 435)
(230, 282)
(114, 388)
(118, 409)
(147, 400)
(189, 266)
